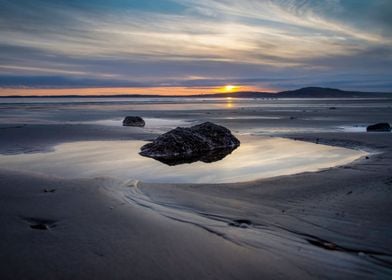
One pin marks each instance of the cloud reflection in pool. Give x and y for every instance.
(257, 157)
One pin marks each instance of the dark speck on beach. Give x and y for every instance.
(241, 223)
(40, 226)
(39, 223)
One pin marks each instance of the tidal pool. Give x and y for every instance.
(256, 158)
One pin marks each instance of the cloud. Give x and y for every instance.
(163, 43)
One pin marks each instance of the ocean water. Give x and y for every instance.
(268, 114)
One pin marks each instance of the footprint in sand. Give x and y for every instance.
(39, 223)
(49, 190)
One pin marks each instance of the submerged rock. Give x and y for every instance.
(133, 121)
(205, 142)
(379, 127)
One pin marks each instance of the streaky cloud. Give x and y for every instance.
(176, 39)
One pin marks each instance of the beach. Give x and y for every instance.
(330, 222)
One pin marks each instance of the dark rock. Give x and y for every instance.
(205, 142)
(133, 121)
(379, 127)
(332, 108)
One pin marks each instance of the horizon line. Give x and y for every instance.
(211, 94)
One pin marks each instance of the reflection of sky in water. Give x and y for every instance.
(354, 128)
(281, 130)
(251, 118)
(257, 157)
(128, 103)
(150, 122)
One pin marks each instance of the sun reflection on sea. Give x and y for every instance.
(229, 102)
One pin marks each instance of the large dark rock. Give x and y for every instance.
(205, 142)
(379, 127)
(133, 121)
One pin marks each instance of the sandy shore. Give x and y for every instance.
(332, 224)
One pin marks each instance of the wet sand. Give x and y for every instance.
(332, 224)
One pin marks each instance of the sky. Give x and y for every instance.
(191, 47)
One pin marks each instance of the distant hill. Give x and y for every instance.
(319, 92)
(307, 92)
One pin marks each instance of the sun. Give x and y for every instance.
(229, 88)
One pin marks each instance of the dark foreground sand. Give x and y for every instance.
(333, 224)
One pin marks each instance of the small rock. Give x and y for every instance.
(379, 127)
(133, 121)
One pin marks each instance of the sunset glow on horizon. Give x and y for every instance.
(230, 88)
(126, 91)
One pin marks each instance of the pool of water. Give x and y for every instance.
(256, 158)
(353, 128)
